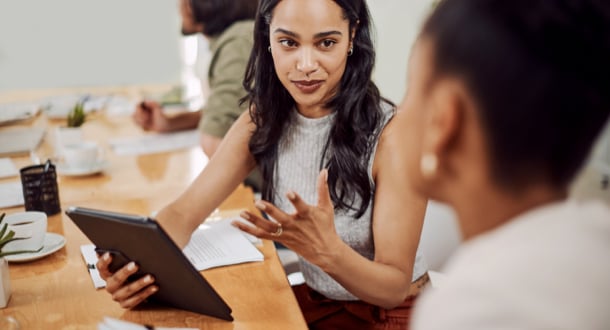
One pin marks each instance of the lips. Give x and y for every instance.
(308, 86)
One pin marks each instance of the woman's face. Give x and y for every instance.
(309, 43)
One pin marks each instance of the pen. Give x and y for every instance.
(145, 107)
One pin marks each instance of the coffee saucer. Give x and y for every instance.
(65, 169)
(52, 243)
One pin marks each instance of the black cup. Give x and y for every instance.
(40, 192)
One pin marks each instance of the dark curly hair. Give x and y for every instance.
(357, 105)
(217, 15)
(539, 73)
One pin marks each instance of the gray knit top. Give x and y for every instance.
(298, 166)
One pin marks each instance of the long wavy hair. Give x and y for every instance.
(357, 105)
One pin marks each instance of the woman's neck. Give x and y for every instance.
(491, 208)
(315, 111)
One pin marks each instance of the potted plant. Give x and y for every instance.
(72, 132)
(77, 116)
(6, 236)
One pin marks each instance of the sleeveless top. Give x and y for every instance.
(297, 168)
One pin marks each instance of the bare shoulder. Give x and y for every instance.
(391, 146)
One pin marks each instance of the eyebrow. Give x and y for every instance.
(316, 36)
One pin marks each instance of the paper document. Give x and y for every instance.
(110, 323)
(155, 143)
(11, 194)
(7, 168)
(20, 140)
(12, 112)
(220, 244)
(90, 256)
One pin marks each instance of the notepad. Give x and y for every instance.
(11, 194)
(7, 168)
(220, 244)
(21, 140)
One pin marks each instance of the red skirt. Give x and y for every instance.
(323, 313)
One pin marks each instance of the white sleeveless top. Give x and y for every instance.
(298, 166)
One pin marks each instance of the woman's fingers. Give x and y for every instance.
(324, 200)
(136, 299)
(299, 204)
(102, 266)
(131, 294)
(262, 227)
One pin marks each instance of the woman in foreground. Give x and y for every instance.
(501, 129)
(328, 151)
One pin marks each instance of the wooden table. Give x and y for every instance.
(56, 292)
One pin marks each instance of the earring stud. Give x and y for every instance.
(428, 165)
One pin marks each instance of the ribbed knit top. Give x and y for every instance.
(299, 164)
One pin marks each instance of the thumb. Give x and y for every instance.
(324, 200)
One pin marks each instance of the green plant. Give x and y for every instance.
(6, 238)
(77, 116)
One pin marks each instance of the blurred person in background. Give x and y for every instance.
(228, 26)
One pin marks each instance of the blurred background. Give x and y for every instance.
(89, 44)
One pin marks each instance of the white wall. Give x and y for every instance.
(67, 43)
(397, 23)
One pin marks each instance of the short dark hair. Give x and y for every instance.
(539, 72)
(357, 105)
(217, 15)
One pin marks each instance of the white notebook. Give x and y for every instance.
(19, 140)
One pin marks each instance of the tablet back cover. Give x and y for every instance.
(142, 240)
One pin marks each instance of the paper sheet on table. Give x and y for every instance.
(88, 252)
(155, 143)
(220, 244)
(110, 323)
(7, 168)
(11, 194)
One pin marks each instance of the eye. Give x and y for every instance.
(327, 43)
(288, 43)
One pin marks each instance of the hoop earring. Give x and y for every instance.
(428, 165)
(269, 49)
(350, 51)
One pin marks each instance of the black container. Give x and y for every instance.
(40, 192)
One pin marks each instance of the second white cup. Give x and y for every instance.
(82, 154)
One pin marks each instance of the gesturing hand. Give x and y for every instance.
(310, 231)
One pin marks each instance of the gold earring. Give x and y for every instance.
(428, 165)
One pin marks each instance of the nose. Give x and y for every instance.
(307, 63)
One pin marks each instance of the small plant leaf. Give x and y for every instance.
(3, 254)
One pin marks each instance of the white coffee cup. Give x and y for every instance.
(84, 154)
(29, 225)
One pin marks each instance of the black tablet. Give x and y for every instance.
(141, 239)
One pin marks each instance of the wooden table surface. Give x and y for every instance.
(56, 292)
